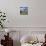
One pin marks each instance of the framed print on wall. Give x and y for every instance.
(24, 10)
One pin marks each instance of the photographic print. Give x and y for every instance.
(23, 10)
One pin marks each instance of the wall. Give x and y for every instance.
(34, 21)
(35, 18)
